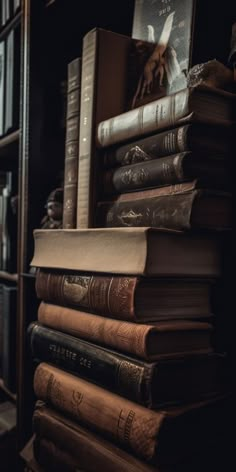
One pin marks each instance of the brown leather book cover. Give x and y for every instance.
(128, 298)
(163, 435)
(146, 341)
(91, 452)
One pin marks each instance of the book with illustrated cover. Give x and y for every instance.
(185, 33)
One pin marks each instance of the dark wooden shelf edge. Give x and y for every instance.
(27, 275)
(9, 138)
(11, 395)
(50, 2)
(13, 22)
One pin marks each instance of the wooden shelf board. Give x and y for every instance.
(9, 139)
(27, 275)
(9, 145)
(12, 23)
(11, 395)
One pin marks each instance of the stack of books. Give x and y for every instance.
(124, 344)
(128, 373)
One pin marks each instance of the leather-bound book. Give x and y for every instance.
(90, 451)
(139, 299)
(202, 139)
(72, 144)
(163, 339)
(184, 206)
(164, 436)
(151, 384)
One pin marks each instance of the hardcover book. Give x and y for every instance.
(90, 450)
(58, 437)
(202, 139)
(166, 382)
(151, 341)
(168, 170)
(184, 206)
(128, 298)
(72, 143)
(200, 104)
(137, 251)
(163, 436)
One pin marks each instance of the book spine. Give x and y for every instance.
(159, 145)
(86, 126)
(125, 422)
(164, 171)
(160, 114)
(112, 296)
(51, 457)
(168, 211)
(71, 148)
(108, 369)
(121, 335)
(89, 449)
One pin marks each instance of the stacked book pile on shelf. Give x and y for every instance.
(129, 375)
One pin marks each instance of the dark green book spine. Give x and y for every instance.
(116, 372)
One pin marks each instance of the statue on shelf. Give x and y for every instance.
(54, 207)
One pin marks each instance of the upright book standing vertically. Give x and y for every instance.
(72, 143)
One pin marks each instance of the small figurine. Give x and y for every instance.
(54, 206)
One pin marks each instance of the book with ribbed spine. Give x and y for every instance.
(182, 206)
(162, 435)
(200, 104)
(150, 342)
(199, 138)
(89, 449)
(168, 170)
(128, 298)
(166, 382)
(72, 143)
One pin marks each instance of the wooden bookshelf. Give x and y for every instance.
(12, 23)
(9, 145)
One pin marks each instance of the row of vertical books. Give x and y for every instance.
(129, 372)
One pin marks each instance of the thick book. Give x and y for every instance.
(184, 206)
(130, 298)
(72, 142)
(58, 438)
(168, 170)
(165, 382)
(202, 139)
(137, 251)
(91, 451)
(200, 104)
(149, 342)
(163, 435)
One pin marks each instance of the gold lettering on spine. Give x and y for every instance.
(124, 425)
